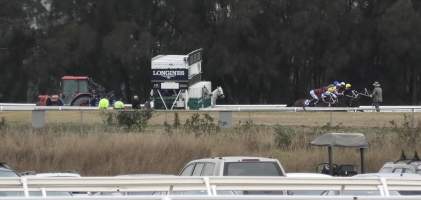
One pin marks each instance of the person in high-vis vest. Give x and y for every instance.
(103, 103)
(118, 105)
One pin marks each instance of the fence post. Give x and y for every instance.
(38, 118)
(225, 119)
(81, 121)
(330, 118)
(413, 118)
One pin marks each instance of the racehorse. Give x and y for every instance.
(353, 99)
(215, 94)
(328, 102)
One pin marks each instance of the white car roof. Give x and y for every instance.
(387, 175)
(235, 159)
(54, 174)
(143, 175)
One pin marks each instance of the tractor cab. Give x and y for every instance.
(73, 86)
(76, 91)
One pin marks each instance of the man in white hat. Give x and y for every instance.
(377, 95)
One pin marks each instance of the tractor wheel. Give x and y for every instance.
(81, 101)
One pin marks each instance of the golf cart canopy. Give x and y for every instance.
(355, 140)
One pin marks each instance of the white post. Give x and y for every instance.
(38, 118)
(24, 181)
(186, 101)
(162, 99)
(385, 188)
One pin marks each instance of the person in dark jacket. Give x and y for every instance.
(377, 95)
(135, 102)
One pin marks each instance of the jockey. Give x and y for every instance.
(340, 88)
(347, 90)
(329, 93)
(316, 94)
(350, 95)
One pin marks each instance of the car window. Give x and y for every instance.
(252, 169)
(409, 193)
(7, 173)
(386, 170)
(403, 170)
(11, 193)
(361, 192)
(198, 169)
(208, 169)
(188, 170)
(307, 192)
(353, 193)
(49, 193)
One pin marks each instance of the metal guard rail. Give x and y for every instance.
(210, 185)
(221, 197)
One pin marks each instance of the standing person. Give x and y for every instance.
(135, 102)
(377, 95)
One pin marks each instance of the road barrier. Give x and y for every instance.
(175, 187)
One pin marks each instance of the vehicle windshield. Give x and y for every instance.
(69, 86)
(83, 86)
(353, 193)
(386, 170)
(7, 173)
(404, 170)
(73, 86)
(252, 169)
(307, 192)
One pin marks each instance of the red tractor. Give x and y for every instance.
(75, 91)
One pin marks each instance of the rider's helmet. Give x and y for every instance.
(331, 89)
(348, 85)
(335, 83)
(343, 84)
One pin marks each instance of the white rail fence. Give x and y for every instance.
(209, 186)
(219, 108)
(225, 111)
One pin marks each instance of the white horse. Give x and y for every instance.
(217, 93)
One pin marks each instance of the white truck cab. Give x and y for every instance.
(233, 166)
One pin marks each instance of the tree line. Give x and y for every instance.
(266, 51)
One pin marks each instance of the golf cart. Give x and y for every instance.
(350, 140)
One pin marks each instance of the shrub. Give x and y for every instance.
(130, 120)
(3, 123)
(283, 136)
(176, 120)
(244, 126)
(198, 125)
(168, 128)
(408, 132)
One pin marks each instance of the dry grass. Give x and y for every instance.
(95, 150)
(308, 119)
